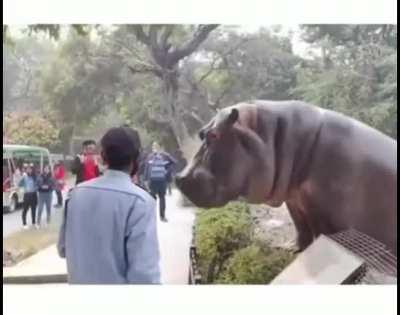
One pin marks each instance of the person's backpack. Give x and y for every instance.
(158, 168)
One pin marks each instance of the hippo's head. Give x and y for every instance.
(230, 162)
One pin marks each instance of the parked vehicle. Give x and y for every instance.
(14, 157)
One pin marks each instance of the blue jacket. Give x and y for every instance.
(46, 183)
(109, 233)
(170, 163)
(29, 183)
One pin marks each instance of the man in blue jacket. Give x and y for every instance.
(159, 167)
(109, 232)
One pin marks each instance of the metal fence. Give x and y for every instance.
(380, 265)
(194, 271)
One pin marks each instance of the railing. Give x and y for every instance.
(194, 272)
(380, 265)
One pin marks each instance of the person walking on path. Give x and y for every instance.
(29, 183)
(109, 229)
(85, 165)
(46, 185)
(158, 166)
(59, 176)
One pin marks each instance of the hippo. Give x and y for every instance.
(333, 172)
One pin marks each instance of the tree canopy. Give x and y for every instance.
(168, 80)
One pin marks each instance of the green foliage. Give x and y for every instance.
(255, 264)
(7, 40)
(228, 252)
(219, 233)
(75, 86)
(91, 72)
(30, 129)
(54, 30)
(260, 65)
(22, 63)
(356, 73)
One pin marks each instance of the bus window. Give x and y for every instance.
(29, 157)
(46, 160)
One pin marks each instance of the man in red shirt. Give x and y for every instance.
(85, 165)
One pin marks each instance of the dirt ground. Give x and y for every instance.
(274, 226)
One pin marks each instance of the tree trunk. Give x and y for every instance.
(66, 136)
(164, 65)
(71, 150)
(170, 100)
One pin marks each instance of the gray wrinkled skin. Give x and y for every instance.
(332, 171)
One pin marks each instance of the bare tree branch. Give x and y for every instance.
(134, 52)
(215, 105)
(145, 69)
(196, 117)
(165, 36)
(223, 57)
(200, 36)
(140, 34)
(153, 34)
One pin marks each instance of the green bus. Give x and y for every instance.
(14, 157)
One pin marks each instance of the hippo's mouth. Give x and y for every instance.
(218, 197)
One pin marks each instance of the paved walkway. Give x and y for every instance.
(174, 236)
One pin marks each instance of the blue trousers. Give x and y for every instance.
(45, 199)
(158, 189)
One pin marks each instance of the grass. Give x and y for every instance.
(22, 244)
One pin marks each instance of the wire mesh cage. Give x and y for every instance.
(380, 264)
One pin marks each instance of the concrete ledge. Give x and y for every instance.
(36, 279)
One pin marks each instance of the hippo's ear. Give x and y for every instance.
(233, 116)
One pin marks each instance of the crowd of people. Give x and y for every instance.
(39, 188)
(155, 170)
(109, 228)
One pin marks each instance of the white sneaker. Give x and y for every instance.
(25, 227)
(37, 226)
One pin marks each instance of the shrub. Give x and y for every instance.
(254, 265)
(219, 233)
(30, 129)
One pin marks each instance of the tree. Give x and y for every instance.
(356, 73)
(22, 63)
(231, 67)
(164, 52)
(251, 66)
(75, 87)
(30, 129)
(52, 30)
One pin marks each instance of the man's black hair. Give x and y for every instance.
(88, 142)
(121, 146)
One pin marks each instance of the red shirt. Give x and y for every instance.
(59, 172)
(89, 168)
(59, 175)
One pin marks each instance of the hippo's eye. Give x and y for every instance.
(201, 135)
